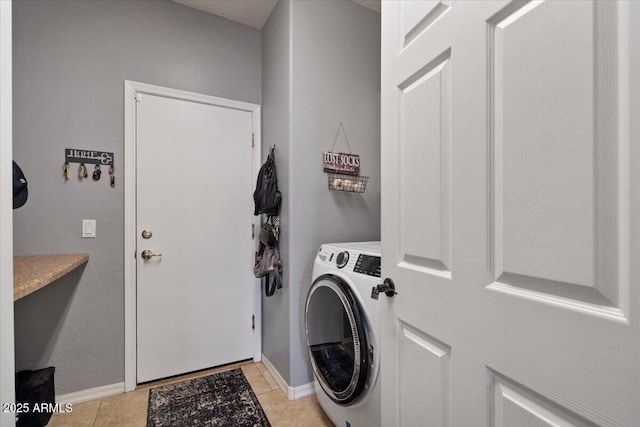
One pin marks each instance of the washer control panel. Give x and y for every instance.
(368, 264)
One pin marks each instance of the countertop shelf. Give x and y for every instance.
(34, 272)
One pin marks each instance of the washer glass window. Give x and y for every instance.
(336, 339)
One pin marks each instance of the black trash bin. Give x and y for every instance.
(35, 395)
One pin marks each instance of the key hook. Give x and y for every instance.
(96, 173)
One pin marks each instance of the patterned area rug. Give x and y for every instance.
(223, 399)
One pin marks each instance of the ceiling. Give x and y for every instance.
(251, 12)
(374, 5)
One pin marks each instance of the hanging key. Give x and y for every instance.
(82, 171)
(96, 173)
(66, 171)
(112, 176)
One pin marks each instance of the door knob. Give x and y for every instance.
(148, 254)
(388, 287)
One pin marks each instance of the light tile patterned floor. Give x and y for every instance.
(130, 409)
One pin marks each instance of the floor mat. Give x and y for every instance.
(222, 399)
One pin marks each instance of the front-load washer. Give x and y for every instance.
(342, 324)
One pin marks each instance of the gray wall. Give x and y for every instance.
(334, 50)
(70, 60)
(276, 111)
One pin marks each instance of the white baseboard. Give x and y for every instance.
(292, 393)
(301, 391)
(91, 393)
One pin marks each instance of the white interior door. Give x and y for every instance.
(511, 213)
(194, 184)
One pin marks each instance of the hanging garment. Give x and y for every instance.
(267, 200)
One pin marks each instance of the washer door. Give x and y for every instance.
(336, 339)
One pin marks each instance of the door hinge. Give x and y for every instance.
(253, 321)
(135, 254)
(137, 96)
(253, 137)
(253, 231)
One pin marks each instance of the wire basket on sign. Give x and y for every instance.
(354, 184)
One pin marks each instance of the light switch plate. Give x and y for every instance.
(88, 228)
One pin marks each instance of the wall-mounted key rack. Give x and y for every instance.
(93, 157)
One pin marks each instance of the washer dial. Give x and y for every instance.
(342, 259)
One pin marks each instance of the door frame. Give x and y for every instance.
(131, 90)
(7, 351)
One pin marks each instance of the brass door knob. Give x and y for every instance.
(148, 254)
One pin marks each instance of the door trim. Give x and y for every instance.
(7, 351)
(131, 90)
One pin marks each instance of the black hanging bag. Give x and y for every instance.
(267, 197)
(20, 190)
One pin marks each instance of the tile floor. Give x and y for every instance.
(130, 409)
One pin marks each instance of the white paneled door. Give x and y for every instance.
(511, 213)
(195, 292)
